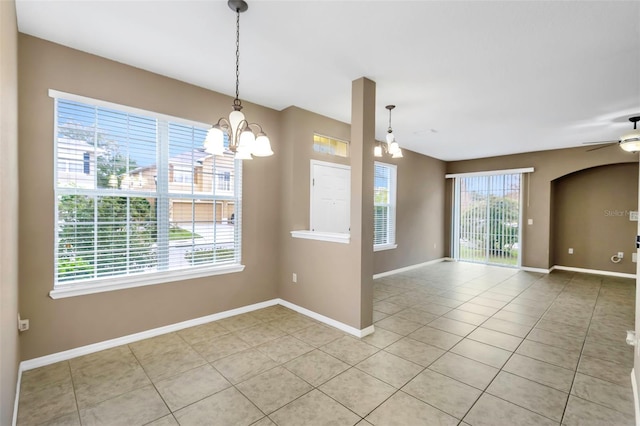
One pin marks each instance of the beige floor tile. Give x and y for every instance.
(164, 421)
(220, 347)
(225, 408)
(390, 368)
(507, 327)
(292, 323)
(239, 322)
(258, 334)
(517, 318)
(49, 403)
(204, 332)
(191, 386)
(478, 309)
(398, 325)
(377, 316)
(445, 301)
(541, 372)
(167, 364)
(435, 337)
(143, 349)
(381, 338)
(273, 389)
(71, 419)
(403, 409)
(497, 296)
(620, 354)
(387, 307)
(58, 374)
(532, 311)
(452, 326)
(284, 349)
(316, 367)
(605, 370)
(490, 303)
(349, 349)
(416, 315)
(358, 391)
(492, 411)
(560, 328)
(318, 335)
(482, 352)
(464, 316)
(465, 370)
(551, 354)
(554, 339)
(580, 412)
(415, 351)
(272, 313)
(433, 308)
(137, 407)
(530, 395)
(495, 338)
(242, 366)
(314, 409)
(442, 392)
(619, 398)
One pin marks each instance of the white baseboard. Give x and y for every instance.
(593, 271)
(540, 270)
(409, 268)
(329, 321)
(16, 401)
(636, 400)
(112, 343)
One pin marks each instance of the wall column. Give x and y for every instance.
(363, 119)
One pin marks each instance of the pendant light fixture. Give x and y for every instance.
(630, 142)
(391, 147)
(245, 139)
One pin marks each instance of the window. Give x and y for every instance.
(223, 181)
(384, 201)
(139, 216)
(330, 146)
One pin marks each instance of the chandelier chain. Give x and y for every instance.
(236, 101)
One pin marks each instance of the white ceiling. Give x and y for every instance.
(470, 78)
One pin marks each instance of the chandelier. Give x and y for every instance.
(391, 147)
(245, 138)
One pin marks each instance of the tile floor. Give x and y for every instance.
(454, 344)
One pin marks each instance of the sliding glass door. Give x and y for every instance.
(487, 219)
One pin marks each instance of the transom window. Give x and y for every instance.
(331, 146)
(384, 199)
(136, 196)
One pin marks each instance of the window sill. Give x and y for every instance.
(111, 284)
(381, 247)
(333, 237)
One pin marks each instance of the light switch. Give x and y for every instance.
(570, 251)
(530, 221)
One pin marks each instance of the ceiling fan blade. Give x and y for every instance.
(599, 142)
(601, 146)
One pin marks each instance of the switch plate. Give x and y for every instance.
(633, 216)
(294, 277)
(620, 255)
(570, 251)
(634, 257)
(530, 221)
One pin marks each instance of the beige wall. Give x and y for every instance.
(57, 325)
(9, 348)
(420, 219)
(549, 165)
(325, 271)
(590, 215)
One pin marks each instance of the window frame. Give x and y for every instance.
(391, 205)
(117, 282)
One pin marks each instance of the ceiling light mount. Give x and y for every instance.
(245, 139)
(391, 147)
(630, 142)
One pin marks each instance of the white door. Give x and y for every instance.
(330, 197)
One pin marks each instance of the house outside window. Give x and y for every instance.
(149, 208)
(384, 213)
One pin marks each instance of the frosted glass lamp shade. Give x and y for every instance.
(390, 137)
(397, 154)
(631, 141)
(214, 142)
(393, 147)
(262, 146)
(235, 118)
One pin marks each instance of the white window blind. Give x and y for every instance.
(384, 198)
(135, 194)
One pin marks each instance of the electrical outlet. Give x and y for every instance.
(634, 257)
(620, 255)
(570, 251)
(23, 324)
(294, 277)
